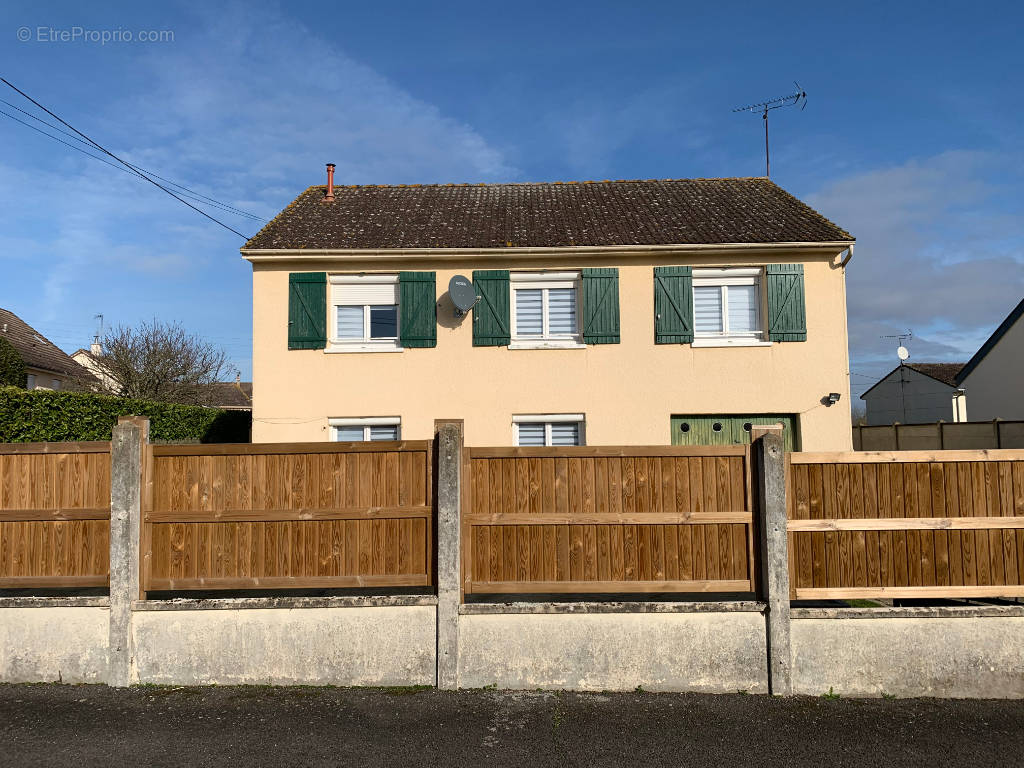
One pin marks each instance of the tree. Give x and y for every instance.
(163, 362)
(12, 367)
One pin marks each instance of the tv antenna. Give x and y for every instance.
(800, 97)
(901, 351)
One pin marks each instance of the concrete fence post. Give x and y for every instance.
(126, 453)
(769, 463)
(449, 551)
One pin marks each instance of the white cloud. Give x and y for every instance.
(936, 253)
(245, 106)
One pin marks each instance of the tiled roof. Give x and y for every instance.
(555, 214)
(944, 372)
(231, 394)
(35, 349)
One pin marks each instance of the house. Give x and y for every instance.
(916, 393)
(228, 395)
(47, 366)
(678, 311)
(90, 360)
(994, 378)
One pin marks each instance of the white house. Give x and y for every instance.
(994, 378)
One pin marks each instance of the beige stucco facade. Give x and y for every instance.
(627, 391)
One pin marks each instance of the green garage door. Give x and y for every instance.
(730, 429)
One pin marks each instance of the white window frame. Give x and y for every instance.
(365, 422)
(366, 344)
(547, 419)
(543, 281)
(722, 278)
(30, 381)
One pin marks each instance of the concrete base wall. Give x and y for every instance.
(964, 657)
(385, 646)
(66, 644)
(715, 652)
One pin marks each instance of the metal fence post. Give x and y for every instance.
(770, 465)
(449, 551)
(126, 455)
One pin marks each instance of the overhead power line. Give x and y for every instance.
(193, 194)
(110, 154)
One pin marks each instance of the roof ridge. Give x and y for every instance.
(538, 183)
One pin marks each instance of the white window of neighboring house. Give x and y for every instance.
(544, 310)
(364, 313)
(727, 307)
(30, 381)
(55, 384)
(551, 429)
(365, 429)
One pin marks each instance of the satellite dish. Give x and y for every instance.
(902, 353)
(462, 294)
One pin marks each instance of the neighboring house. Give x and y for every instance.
(90, 360)
(994, 378)
(46, 365)
(229, 395)
(232, 395)
(916, 393)
(610, 313)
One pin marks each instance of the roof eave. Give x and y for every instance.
(579, 251)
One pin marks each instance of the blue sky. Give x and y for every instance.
(911, 138)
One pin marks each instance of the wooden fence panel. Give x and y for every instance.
(907, 524)
(603, 520)
(279, 516)
(54, 514)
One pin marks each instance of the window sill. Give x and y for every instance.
(335, 349)
(730, 343)
(546, 344)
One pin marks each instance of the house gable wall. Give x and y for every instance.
(919, 399)
(995, 387)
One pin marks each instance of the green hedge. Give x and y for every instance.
(28, 416)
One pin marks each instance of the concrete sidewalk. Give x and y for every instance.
(85, 726)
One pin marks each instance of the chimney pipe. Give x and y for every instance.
(329, 197)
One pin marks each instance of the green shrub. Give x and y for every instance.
(44, 416)
(12, 367)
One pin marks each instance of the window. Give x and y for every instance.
(55, 384)
(364, 313)
(30, 381)
(549, 429)
(365, 429)
(727, 307)
(544, 310)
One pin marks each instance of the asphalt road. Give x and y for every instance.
(84, 726)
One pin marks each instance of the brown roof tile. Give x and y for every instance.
(556, 214)
(35, 349)
(944, 372)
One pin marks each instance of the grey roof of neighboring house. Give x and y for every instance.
(35, 349)
(552, 214)
(942, 372)
(1007, 324)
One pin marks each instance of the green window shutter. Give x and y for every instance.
(784, 290)
(491, 314)
(673, 305)
(307, 310)
(601, 306)
(417, 308)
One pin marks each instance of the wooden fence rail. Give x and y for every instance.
(604, 520)
(282, 516)
(54, 514)
(906, 524)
